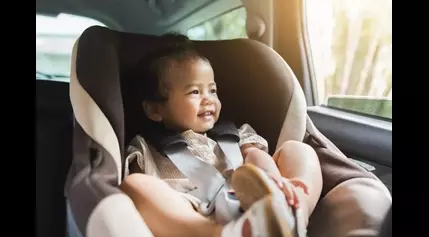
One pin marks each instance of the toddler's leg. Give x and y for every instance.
(167, 213)
(299, 160)
(164, 210)
(251, 184)
(292, 160)
(262, 160)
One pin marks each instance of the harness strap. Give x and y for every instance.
(208, 179)
(227, 137)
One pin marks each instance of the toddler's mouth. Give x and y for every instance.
(206, 114)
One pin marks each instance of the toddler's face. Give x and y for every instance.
(192, 102)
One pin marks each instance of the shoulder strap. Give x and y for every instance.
(208, 179)
(225, 133)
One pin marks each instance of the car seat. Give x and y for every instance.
(108, 115)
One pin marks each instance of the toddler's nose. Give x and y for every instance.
(207, 101)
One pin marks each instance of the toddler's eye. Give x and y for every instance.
(214, 91)
(195, 92)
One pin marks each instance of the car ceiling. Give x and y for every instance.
(141, 16)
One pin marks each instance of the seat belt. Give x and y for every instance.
(209, 181)
(227, 137)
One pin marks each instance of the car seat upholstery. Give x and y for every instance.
(386, 227)
(253, 80)
(54, 128)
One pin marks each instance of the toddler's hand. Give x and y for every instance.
(288, 186)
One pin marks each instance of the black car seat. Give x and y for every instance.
(108, 116)
(54, 129)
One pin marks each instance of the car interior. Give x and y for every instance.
(359, 131)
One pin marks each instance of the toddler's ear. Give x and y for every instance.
(151, 110)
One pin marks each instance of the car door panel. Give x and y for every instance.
(365, 140)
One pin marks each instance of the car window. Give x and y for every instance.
(55, 36)
(351, 48)
(230, 25)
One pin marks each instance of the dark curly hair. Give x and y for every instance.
(150, 70)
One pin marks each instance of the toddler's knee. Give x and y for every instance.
(293, 146)
(254, 155)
